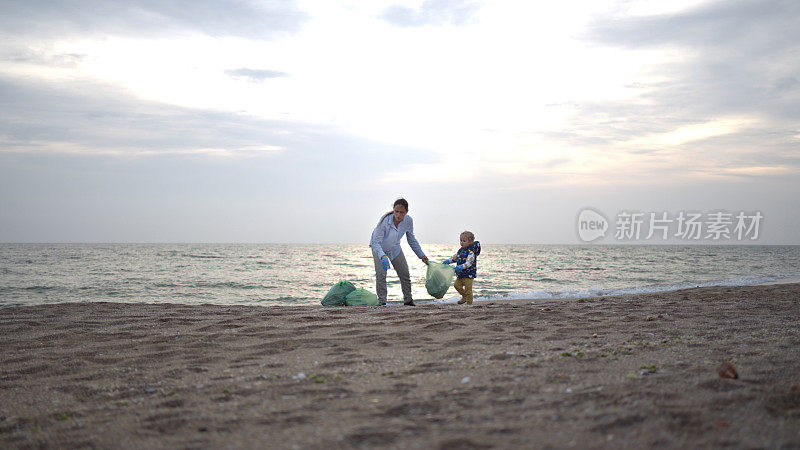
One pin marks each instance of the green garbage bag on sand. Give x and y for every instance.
(439, 279)
(361, 297)
(338, 293)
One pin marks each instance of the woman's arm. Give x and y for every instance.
(412, 240)
(377, 236)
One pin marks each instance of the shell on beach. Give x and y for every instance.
(727, 370)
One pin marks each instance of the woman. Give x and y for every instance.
(385, 244)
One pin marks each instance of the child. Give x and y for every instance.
(467, 264)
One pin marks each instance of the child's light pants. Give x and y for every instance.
(464, 287)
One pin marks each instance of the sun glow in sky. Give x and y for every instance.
(506, 95)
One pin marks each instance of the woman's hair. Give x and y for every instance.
(468, 235)
(400, 201)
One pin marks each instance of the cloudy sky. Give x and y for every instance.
(281, 121)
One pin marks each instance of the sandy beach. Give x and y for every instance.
(629, 371)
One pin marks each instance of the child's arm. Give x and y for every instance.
(470, 259)
(468, 263)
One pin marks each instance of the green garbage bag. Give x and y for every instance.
(338, 293)
(439, 279)
(361, 297)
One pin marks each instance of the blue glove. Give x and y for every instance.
(446, 261)
(459, 268)
(385, 262)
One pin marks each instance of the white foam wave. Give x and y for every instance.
(600, 292)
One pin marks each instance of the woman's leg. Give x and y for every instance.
(380, 278)
(401, 267)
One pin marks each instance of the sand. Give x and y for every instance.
(630, 371)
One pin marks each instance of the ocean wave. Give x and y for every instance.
(38, 288)
(212, 285)
(192, 255)
(259, 274)
(542, 294)
(26, 290)
(179, 254)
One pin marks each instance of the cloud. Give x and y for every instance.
(689, 133)
(744, 24)
(255, 75)
(250, 19)
(93, 118)
(556, 162)
(39, 57)
(737, 57)
(431, 12)
(724, 101)
(82, 119)
(83, 161)
(785, 84)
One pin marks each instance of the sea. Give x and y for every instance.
(301, 274)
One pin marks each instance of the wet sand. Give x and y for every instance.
(630, 371)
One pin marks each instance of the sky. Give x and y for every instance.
(302, 121)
